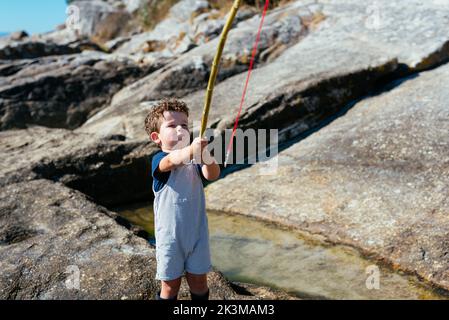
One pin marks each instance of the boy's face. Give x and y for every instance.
(174, 131)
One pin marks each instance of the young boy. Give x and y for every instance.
(181, 225)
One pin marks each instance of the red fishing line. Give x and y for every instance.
(253, 55)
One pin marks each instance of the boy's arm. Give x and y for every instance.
(182, 156)
(176, 158)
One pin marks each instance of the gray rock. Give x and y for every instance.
(307, 68)
(81, 161)
(50, 233)
(418, 37)
(190, 72)
(183, 10)
(18, 35)
(64, 36)
(328, 76)
(206, 28)
(318, 75)
(128, 122)
(376, 178)
(55, 244)
(383, 193)
(91, 14)
(58, 42)
(133, 5)
(31, 49)
(62, 91)
(167, 33)
(129, 5)
(106, 19)
(113, 44)
(188, 24)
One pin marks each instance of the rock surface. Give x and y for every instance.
(34, 49)
(173, 34)
(111, 170)
(49, 233)
(62, 91)
(413, 31)
(283, 94)
(98, 19)
(376, 178)
(319, 74)
(283, 27)
(19, 45)
(304, 82)
(56, 244)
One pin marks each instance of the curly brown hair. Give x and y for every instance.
(154, 118)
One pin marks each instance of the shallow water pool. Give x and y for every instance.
(249, 250)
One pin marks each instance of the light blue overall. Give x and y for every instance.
(181, 225)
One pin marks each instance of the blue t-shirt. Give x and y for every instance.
(160, 178)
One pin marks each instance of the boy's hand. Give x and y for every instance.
(198, 144)
(196, 151)
(198, 147)
(211, 170)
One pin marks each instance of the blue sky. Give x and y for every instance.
(33, 16)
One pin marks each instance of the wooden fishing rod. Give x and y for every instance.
(215, 63)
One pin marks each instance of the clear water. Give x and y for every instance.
(252, 251)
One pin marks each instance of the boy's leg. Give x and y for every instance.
(170, 288)
(198, 286)
(197, 265)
